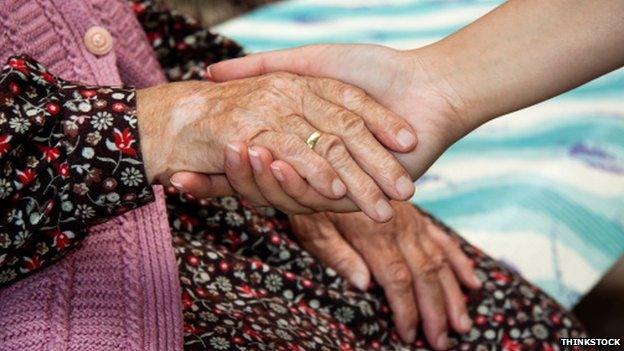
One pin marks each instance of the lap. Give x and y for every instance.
(247, 285)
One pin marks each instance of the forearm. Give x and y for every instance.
(69, 159)
(524, 52)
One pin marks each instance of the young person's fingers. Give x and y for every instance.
(202, 186)
(297, 188)
(260, 159)
(301, 61)
(240, 175)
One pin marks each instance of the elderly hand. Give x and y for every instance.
(406, 82)
(190, 126)
(416, 262)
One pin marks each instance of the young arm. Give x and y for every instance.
(524, 52)
(521, 53)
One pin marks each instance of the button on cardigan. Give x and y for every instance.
(119, 290)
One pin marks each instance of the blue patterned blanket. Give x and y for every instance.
(541, 189)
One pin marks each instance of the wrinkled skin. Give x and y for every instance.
(416, 263)
(187, 126)
(403, 81)
(418, 266)
(406, 82)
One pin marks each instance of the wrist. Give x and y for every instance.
(171, 125)
(149, 131)
(448, 78)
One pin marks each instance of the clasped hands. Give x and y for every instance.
(247, 134)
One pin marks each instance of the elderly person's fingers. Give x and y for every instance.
(261, 159)
(297, 188)
(429, 292)
(314, 168)
(320, 237)
(202, 186)
(393, 275)
(358, 140)
(456, 309)
(376, 245)
(391, 129)
(463, 267)
(361, 187)
(441, 272)
(320, 171)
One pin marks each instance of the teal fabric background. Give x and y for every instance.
(541, 189)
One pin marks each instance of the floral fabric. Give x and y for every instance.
(247, 285)
(70, 157)
(183, 47)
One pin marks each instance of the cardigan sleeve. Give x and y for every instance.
(69, 158)
(183, 47)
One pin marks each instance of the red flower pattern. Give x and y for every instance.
(124, 140)
(4, 144)
(51, 178)
(256, 264)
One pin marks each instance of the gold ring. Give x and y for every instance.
(313, 139)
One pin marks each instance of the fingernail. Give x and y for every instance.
(405, 187)
(411, 336)
(338, 187)
(405, 138)
(209, 72)
(443, 341)
(359, 280)
(465, 322)
(254, 157)
(176, 184)
(232, 155)
(477, 281)
(384, 210)
(277, 173)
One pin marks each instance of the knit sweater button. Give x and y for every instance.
(98, 41)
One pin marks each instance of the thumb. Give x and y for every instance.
(322, 240)
(312, 60)
(200, 185)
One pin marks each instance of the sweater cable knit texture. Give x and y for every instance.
(119, 290)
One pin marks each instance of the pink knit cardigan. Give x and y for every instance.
(120, 289)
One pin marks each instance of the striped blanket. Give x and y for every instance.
(541, 189)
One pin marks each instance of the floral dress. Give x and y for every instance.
(70, 158)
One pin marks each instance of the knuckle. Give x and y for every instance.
(352, 123)
(368, 189)
(428, 269)
(283, 80)
(334, 150)
(352, 96)
(342, 261)
(265, 96)
(288, 144)
(398, 274)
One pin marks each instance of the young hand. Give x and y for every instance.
(399, 80)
